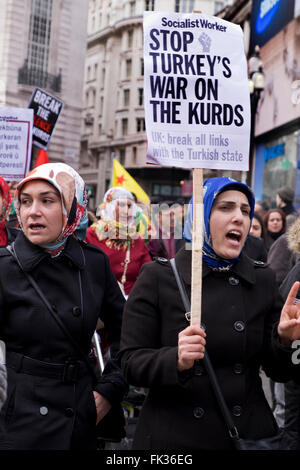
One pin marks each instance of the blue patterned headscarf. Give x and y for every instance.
(211, 189)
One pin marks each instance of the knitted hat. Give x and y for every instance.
(286, 194)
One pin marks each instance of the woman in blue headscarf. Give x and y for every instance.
(240, 308)
(54, 399)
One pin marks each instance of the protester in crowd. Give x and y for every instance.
(255, 246)
(275, 223)
(240, 305)
(284, 201)
(141, 219)
(261, 208)
(166, 234)
(281, 258)
(287, 396)
(91, 218)
(6, 235)
(54, 399)
(115, 233)
(12, 219)
(257, 228)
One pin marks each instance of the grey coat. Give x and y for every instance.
(3, 384)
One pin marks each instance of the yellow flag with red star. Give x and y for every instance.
(122, 178)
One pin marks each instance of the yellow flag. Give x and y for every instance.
(122, 178)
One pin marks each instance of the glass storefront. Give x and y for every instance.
(279, 166)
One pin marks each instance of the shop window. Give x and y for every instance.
(150, 5)
(122, 157)
(126, 98)
(184, 6)
(166, 190)
(132, 8)
(140, 125)
(124, 126)
(129, 39)
(218, 7)
(128, 68)
(134, 155)
(141, 96)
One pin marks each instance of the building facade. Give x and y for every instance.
(277, 127)
(113, 121)
(43, 44)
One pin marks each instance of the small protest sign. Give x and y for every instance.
(15, 142)
(197, 103)
(47, 109)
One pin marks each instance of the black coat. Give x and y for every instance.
(158, 249)
(292, 389)
(239, 309)
(43, 412)
(255, 248)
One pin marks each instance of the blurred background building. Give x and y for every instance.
(272, 42)
(277, 162)
(113, 121)
(43, 44)
(89, 54)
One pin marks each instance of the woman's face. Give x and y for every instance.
(275, 222)
(40, 212)
(229, 223)
(256, 229)
(123, 210)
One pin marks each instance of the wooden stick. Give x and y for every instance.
(196, 283)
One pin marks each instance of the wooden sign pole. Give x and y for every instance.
(196, 285)
(197, 241)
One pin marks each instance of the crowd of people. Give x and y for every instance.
(108, 273)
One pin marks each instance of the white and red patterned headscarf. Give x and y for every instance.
(71, 188)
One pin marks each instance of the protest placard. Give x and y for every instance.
(15, 142)
(197, 106)
(197, 103)
(47, 109)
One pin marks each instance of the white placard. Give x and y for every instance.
(15, 142)
(197, 101)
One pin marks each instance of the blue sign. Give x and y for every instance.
(268, 17)
(273, 152)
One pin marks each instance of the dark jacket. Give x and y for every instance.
(281, 259)
(292, 388)
(255, 248)
(11, 233)
(158, 249)
(3, 384)
(43, 412)
(291, 213)
(271, 238)
(239, 310)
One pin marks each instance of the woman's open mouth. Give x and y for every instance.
(234, 236)
(36, 227)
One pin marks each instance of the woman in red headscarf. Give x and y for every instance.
(5, 205)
